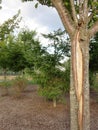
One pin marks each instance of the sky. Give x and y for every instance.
(43, 19)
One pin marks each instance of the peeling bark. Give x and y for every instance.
(79, 80)
(77, 65)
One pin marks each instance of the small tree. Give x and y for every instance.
(49, 73)
(50, 78)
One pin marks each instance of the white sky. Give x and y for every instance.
(43, 19)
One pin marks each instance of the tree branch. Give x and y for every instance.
(74, 12)
(85, 7)
(81, 12)
(64, 15)
(94, 29)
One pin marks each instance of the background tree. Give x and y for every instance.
(4, 58)
(31, 47)
(94, 54)
(17, 61)
(93, 65)
(9, 26)
(79, 18)
(6, 29)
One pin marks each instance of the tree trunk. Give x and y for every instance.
(54, 102)
(79, 88)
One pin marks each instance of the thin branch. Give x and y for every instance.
(74, 12)
(94, 29)
(81, 10)
(64, 15)
(85, 6)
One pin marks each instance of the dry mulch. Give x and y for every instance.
(32, 112)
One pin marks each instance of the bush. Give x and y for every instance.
(18, 86)
(4, 88)
(93, 81)
(50, 93)
(96, 83)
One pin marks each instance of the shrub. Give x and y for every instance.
(18, 86)
(50, 93)
(4, 88)
(93, 81)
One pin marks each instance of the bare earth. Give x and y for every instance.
(32, 112)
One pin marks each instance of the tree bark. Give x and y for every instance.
(79, 88)
(86, 114)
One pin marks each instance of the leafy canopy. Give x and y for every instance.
(6, 29)
(8, 26)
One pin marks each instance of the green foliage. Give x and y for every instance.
(50, 73)
(58, 43)
(50, 93)
(36, 5)
(31, 47)
(5, 84)
(92, 77)
(94, 54)
(94, 81)
(11, 55)
(93, 64)
(17, 61)
(4, 56)
(18, 53)
(54, 83)
(8, 26)
(67, 76)
(6, 29)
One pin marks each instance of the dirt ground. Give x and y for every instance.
(32, 112)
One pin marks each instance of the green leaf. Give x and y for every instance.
(36, 5)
